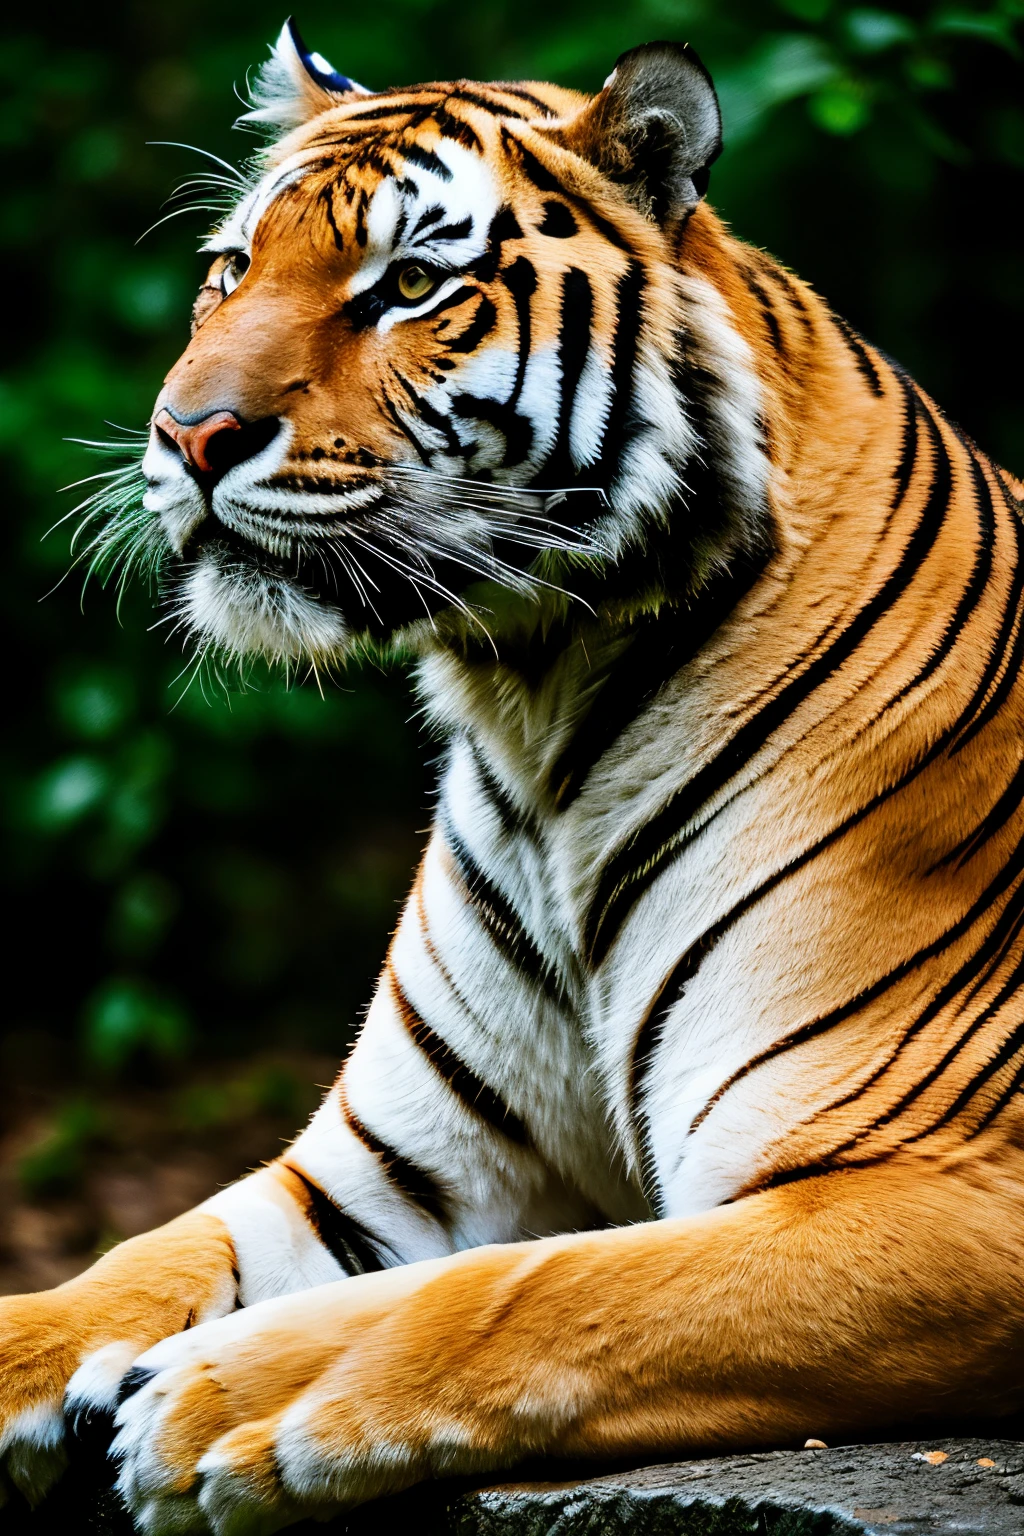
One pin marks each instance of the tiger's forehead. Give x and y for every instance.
(419, 172)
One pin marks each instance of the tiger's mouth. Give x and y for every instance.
(288, 569)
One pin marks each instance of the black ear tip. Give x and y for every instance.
(297, 37)
(328, 78)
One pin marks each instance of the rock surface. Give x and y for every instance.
(884, 1490)
(972, 1487)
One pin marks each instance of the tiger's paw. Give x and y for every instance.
(52, 1384)
(298, 1407)
(63, 1353)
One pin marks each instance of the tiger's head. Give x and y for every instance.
(446, 342)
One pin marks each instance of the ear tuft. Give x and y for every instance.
(295, 84)
(655, 129)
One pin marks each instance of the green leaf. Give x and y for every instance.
(871, 31)
(68, 791)
(841, 108)
(128, 1016)
(95, 703)
(57, 1161)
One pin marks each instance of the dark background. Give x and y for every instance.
(199, 888)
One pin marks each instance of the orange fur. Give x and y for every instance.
(871, 1271)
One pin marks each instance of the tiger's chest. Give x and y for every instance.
(659, 937)
(574, 968)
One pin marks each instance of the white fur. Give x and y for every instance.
(284, 93)
(227, 605)
(95, 1384)
(472, 193)
(276, 1251)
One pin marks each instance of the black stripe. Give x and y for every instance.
(430, 415)
(1013, 1043)
(453, 301)
(660, 648)
(637, 861)
(558, 223)
(485, 103)
(976, 582)
(429, 216)
(545, 181)
(449, 232)
(622, 424)
(414, 1182)
(675, 984)
(767, 312)
(998, 656)
(504, 227)
(1012, 1088)
(575, 316)
(977, 969)
(466, 1086)
(993, 822)
(481, 325)
(793, 294)
(501, 920)
(327, 198)
(1008, 1050)
(523, 95)
(861, 356)
(517, 429)
(1005, 992)
(521, 281)
(515, 822)
(375, 114)
(452, 127)
(348, 1243)
(426, 159)
(908, 450)
(404, 428)
(825, 1022)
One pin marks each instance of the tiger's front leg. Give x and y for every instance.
(829, 1307)
(419, 1150)
(63, 1352)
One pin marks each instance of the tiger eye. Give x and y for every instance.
(414, 282)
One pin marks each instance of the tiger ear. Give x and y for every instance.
(295, 84)
(655, 129)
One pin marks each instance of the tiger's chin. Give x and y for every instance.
(243, 606)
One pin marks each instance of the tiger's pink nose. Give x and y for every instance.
(194, 441)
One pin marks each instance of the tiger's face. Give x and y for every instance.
(437, 346)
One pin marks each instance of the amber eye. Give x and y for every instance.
(414, 283)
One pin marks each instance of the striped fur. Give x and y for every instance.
(721, 920)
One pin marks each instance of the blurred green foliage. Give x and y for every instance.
(56, 1162)
(190, 874)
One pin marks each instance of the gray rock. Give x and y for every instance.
(862, 1490)
(866, 1490)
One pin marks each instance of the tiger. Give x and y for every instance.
(687, 1115)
